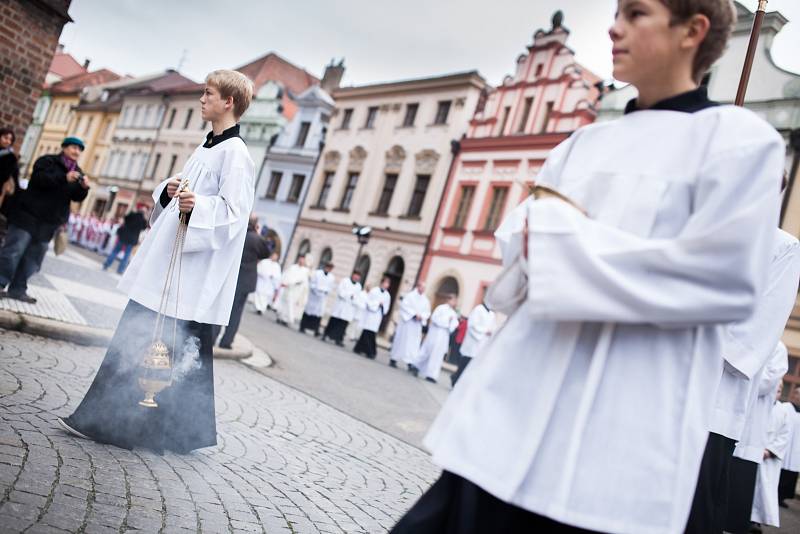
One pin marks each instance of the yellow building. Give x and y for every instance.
(62, 119)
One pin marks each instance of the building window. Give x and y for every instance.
(348, 114)
(155, 165)
(88, 125)
(539, 69)
(548, 110)
(506, 113)
(303, 249)
(274, 184)
(326, 257)
(442, 111)
(189, 113)
(137, 116)
(418, 196)
(526, 113)
(296, 187)
(372, 112)
(347, 196)
(327, 181)
(172, 162)
(464, 205)
(386, 194)
(171, 118)
(499, 194)
(411, 114)
(303, 134)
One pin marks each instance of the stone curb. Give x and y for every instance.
(99, 337)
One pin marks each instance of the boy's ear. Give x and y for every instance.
(697, 27)
(229, 102)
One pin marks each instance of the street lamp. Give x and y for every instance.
(362, 233)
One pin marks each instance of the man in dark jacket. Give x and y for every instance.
(255, 250)
(127, 238)
(9, 176)
(36, 214)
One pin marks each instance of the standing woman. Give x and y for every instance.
(9, 174)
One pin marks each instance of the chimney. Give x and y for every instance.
(60, 48)
(332, 79)
(86, 64)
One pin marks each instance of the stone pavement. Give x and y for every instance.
(285, 462)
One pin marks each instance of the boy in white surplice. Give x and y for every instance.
(218, 200)
(589, 409)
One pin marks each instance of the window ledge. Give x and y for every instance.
(437, 124)
(315, 207)
(341, 210)
(454, 230)
(483, 233)
(410, 217)
(377, 214)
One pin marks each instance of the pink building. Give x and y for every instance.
(510, 135)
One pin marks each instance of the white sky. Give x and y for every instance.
(379, 39)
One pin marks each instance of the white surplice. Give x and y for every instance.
(320, 284)
(624, 316)
(222, 178)
(408, 335)
(377, 305)
(751, 445)
(443, 322)
(294, 292)
(749, 344)
(791, 460)
(344, 307)
(480, 325)
(765, 498)
(269, 280)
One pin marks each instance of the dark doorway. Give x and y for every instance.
(395, 273)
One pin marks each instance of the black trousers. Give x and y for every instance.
(335, 329)
(366, 345)
(454, 505)
(787, 485)
(710, 504)
(741, 488)
(310, 322)
(239, 301)
(463, 362)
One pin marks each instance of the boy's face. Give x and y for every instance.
(646, 47)
(212, 105)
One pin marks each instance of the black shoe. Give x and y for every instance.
(259, 312)
(66, 426)
(339, 344)
(392, 363)
(783, 504)
(22, 297)
(429, 379)
(316, 334)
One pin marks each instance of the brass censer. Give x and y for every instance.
(155, 370)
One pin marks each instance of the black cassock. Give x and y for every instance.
(335, 329)
(184, 419)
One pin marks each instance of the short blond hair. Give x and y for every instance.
(721, 15)
(234, 84)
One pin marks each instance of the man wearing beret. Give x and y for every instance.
(37, 213)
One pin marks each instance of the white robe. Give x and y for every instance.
(480, 325)
(377, 305)
(623, 318)
(294, 292)
(748, 344)
(319, 286)
(765, 498)
(408, 335)
(359, 309)
(344, 307)
(269, 280)
(791, 460)
(222, 178)
(444, 321)
(752, 443)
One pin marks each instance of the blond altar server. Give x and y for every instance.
(294, 291)
(269, 280)
(320, 284)
(779, 431)
(359, 309)
(415, 309)
(443, 322)
(344, 308)
(379, 301)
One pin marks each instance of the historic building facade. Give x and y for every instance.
(286, 171)
(511, 134)
(774, 94)
(386, 160)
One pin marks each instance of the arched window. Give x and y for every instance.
(303, 249)
(325, 257)
(362, 266)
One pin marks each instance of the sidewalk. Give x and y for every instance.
(77, 301)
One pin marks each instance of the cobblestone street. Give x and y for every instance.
(285, 462)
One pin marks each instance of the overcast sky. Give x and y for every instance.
(379, 39)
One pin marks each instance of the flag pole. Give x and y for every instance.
(751, 51)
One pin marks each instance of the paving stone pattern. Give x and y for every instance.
(285, 463)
